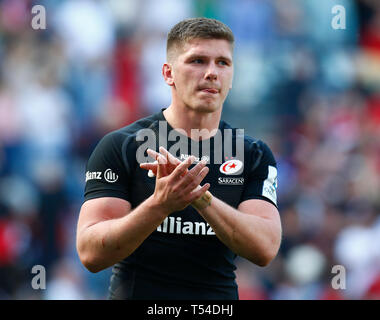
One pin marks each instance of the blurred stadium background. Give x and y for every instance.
(310, 91)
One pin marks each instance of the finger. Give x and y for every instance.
(148, 166)
(198, 193)
(198, 168)
(194, 183)
(159, 170)
(155, 155)
(193, 173)
(152, 153)
(174, 162)
(164, 155)
(152, 167)
(172, 159)
(162, 163)
(182, 167)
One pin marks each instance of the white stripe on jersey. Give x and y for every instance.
(270, 185)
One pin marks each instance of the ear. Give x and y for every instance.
(167, 72)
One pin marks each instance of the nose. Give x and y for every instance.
(211, 72)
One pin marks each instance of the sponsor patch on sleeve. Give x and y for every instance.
(270, 185)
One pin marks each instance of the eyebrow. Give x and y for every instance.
(201, 56)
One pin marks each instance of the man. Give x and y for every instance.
(167, 235)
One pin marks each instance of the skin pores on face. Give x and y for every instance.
(202, 73)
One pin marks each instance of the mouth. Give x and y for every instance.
(210, 90)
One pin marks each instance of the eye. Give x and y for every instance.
(197, 61)
(223, 63)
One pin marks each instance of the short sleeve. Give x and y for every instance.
(261, 174)
(107, 171)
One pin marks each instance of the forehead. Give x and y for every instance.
(206, 47)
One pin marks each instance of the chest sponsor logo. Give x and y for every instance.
(230, 181)
(197, 159)
(231, 167)
(177, 226)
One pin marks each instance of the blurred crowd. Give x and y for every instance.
(310, 91)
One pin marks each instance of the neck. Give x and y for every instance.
(186, 119)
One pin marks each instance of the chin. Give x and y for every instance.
(207, 107)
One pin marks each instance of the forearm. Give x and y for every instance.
(250, 236)
(105, 243)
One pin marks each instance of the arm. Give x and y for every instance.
(252, 231)
(108, 231)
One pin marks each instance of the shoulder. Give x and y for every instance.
(125, 136)
(251, 144)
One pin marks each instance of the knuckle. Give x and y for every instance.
(193, 185)
(182, 173)
(181, 168)
(191, 174)
(202, 175)
(197, 169)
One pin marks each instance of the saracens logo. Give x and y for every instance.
(231, 167)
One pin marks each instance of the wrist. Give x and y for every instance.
(203, 201)
(157, 207)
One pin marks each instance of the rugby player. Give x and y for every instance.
(168, 209)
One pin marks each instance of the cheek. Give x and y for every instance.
(228, 82)
(187, 82)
